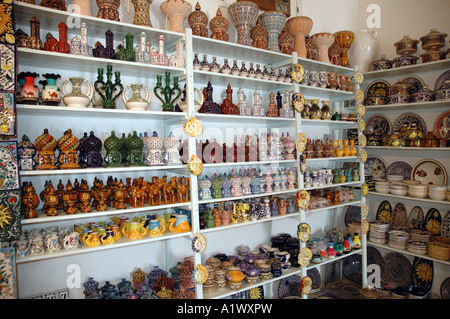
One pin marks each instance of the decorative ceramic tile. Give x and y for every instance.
(10, 209)
(7, 21)
(8, 287)
(7, 67)
(8, 120)
(9, 168)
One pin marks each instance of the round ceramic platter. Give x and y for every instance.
(384, 212)
(375, 167)
(409, 118)
(378, 88)
(433, 222)
(415, 220)
(352, 214)
(445, 288)
(429, 171)
(289, 286)
(351, 265)
(314, 274)
(374, 257)
(422, 273)
(445, 228)
(397, 268)
(439, 84)
(415, 81)
(442, 127)
(399, 168)
(380, 124)
(399, 217)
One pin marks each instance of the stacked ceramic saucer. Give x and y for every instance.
(398, 239)
(378, 231)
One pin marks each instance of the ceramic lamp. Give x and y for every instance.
(323, 41)
(274, 22)
(176, 11)
(300, 28)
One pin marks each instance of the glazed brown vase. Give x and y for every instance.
(142, 12)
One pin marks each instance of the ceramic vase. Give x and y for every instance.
(345, 40)
(136, 101)
(142, 12)
(219, 27)
(243, 15)
(300, 28)
(364, 49)
(108, 9)
(84, 6)
(176, 11)
(76, 98)
(51, 94)
(323, 41)
(274, 22)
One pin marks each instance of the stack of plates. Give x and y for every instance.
(417, 247)
(419, 235)
(378, 230)
(398, 239)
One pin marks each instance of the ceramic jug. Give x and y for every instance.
(76, 98)
(156, 228)
(364, 49)
(179, 224)
(183, 105)
(137, 101)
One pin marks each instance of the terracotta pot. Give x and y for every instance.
(176, 11)
(300, 28)
(323, 41)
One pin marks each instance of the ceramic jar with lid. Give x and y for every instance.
(433, 40)
(198, 21)
(219, 27)
(382, 63)
(430, 140)
(424, 95)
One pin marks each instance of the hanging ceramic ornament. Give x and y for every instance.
(199, 243)
(303, 199)
(361, 110)
(302, 163)
(362, 156)
(365, 226)
(362, 141)
(306, 284)
(359, 94)
(298, 101)
(364, 210)
(195, 165)
(200, 275)
(303, 232)
(304, 257)
(361, 125)
(297, 72)
(365, 189)
(301, 142)
(193, 127)
(358, 78)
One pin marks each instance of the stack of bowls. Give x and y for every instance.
(397, 188)
(417, 247)
(418, 191)
(395, 178)
(398, 239)
(437, 192)
(448, 193)
(378, 230)
(382, 186)
(419, 235)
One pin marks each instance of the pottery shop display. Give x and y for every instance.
(198, 21)
(322, 42)
(345, 40)
(108, 9)
(273, 22)
(300, 27)
(142, 12)
(76, 98)
(176, 12)
(364, 49)
(243, 15)
(137, 101)
(405, 48)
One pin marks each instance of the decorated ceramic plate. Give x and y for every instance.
(439, 84)
(375, 167)
(374, 257)
(445, 228)
(408, 119)
(353, 214)
(199, 243)
(297, 72)
(399, 168)
(429, 171)
(351, 265)
(416, 82)
(314, 274)
(445, 289)
(379, 125)
(433, 222)
(384, 212)
(416, 218)
(422, 273)
(442, 127)
(378, 88)
(397, 269)
(289, 286)
(399, 217)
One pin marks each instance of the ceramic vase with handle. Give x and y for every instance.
(364, 49)
(136, 101)
(77, 98)
(183, 105)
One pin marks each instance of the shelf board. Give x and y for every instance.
(414, 105)
(218, 48)
(79, 63)
(323, 159)
(407, 252)
(343, 124)
(313, 265)
(221, 79)
(333, 185)
(408, 70)
(225, 199)
(42, 219)
(50, 18)
(400, 148)
(45, 110)
(351, 203)
(427, 199)
(239, 119)
(309, 64)
(252, 163)
(121, 243)
(324, 93)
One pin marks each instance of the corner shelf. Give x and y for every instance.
(407, 70)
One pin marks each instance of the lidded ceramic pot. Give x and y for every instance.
(382, 63)
(433, 40)
(219, 27)
(406, 46)
(46, 145)
(198, 21)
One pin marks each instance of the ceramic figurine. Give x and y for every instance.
(170, 93)
(108, 9)
(272, 110)
(159, 57)
(219, 27)
(209, 106)
(142, 54)
(34, 40)
(63, 44)
(243, 15)
(176, 12)
(26, 151)
(257, 109)
(242, 104)
(227, 106)
(125, 52)
(108, 90)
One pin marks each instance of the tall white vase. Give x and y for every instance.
(364, 50)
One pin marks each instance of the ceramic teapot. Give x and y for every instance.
(156, 228)
(107, 238)
(179, 224)
(133, 230)
(183, 105)
(76, 98)
(137, 101)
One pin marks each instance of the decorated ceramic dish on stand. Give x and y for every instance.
(429, 172)
(375, 166)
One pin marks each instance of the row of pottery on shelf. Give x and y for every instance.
(321, 177)
(330, 196)
(331, 148)
(329, 80)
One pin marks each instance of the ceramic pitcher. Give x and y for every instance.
(76, 98)
(137, 101)
(364, 49)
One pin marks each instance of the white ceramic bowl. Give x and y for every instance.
(395, 178)
(399, 191)
(398, 185)
(437, 196)
(382, 189)
(385, 184)
(410, 182)
(437, 188)
(417, 194)
(423, 188)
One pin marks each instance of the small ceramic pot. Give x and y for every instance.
(382, 64)
(405, 60)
